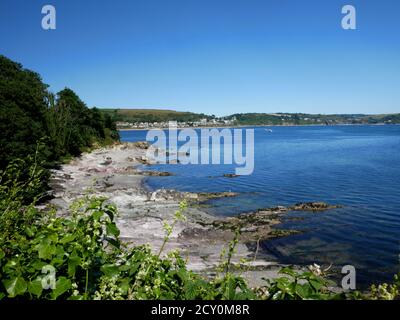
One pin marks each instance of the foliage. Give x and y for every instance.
(22, 111)
(386, 291)
(307, 119)
(296, 285)
(153, 115)
(21, 185)
(85, 254)
(90, 262)
(29, 114)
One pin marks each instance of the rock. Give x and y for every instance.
(107, 162)
(155, 173)
(141, 145)
(312, 206)
(153, 196)
(204, 196)
(230, 175)
(259, 225)
(143, 160)
(249, 229)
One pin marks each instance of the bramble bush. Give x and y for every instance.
(91, 262)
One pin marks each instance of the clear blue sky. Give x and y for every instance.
(218, 57)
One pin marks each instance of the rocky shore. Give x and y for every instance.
(114, 173)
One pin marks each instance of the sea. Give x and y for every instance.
(354, 166)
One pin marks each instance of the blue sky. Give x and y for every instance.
(217, 57)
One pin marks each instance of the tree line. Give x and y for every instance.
(31, 117)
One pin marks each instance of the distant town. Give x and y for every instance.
(154, 118)
(215, 122)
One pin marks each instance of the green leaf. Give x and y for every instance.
(16, 286)
(35, 287)
(45, 250)
(97, 215)
(112, 229)
(110, 270)
(303, 290)
(38, 264)
(316, 284)
(289, 271)
(190, 290)
(29, 232)
(124, 285)
(68, 238)
(73, 262)
(62, 285)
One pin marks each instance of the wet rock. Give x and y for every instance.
(259, 225)
(230, 175)
(204, 196)
(312, 206)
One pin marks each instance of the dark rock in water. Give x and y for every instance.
(155, 173)
(312, 206)
(259, 225)
(204, 196)
(134, 171)
(143, 160)
(230, 175)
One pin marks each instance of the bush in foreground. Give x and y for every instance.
(89, 261)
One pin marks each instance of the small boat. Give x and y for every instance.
(268, 130)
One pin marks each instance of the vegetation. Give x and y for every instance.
(153, 115)
(45, 256)
(309, 119)
(29, 113)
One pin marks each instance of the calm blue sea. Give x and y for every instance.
(354, 166)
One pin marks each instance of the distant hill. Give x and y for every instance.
(153, 115)
(161, 116)
(307, 119)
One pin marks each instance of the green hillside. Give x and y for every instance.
(153, 115)
(158, 115)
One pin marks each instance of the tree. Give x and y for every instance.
(22, 110)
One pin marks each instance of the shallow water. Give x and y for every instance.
(354, 166)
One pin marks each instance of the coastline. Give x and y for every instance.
(113, 172)
(267, 125)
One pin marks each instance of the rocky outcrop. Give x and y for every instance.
(230, 175)
(312, 206)
(141, 145)
(191, 197)
(259, 225)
